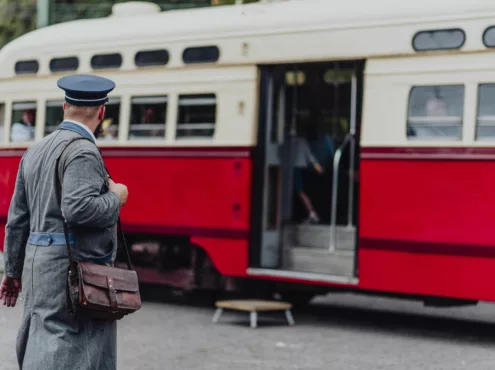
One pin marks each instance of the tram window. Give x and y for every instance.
(148, 118)
(435, 112)
(106, 61)
(64, 64)
(23, 122)
(197, 116)
(111, 122)
(489, 37)
(151, 58)
(203, 54)
(439, 40)
(110, 125)
(27, 67)
(485, 122)
(54, 115)
(2, 123)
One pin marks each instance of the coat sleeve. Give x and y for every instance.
(17, 229)
(83, 203)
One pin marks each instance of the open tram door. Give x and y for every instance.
(306, 188)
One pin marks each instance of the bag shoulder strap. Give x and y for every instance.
(120, 231)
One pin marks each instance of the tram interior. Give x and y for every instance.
(314, 111)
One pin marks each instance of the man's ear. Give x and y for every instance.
(101, 113)
(65, 106)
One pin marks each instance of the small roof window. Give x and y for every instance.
(27, 67)
(64, 64)
(103, 61)
(152, 58)
(450, 39)
(489, 37)
(201, 54)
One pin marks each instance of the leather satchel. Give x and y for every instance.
(99, 291)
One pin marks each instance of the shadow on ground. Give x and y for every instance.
(334, 315)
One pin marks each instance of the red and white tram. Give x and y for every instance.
(213, 110)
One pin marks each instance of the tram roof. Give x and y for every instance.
(140, 24)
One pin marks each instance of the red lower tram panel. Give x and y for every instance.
(199, 194)
(426, 222)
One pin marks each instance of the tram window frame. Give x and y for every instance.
(148, 101)
(194, 59)
(111, 135)
(457, 47)
(52, 104)
(27, 105)
(72, 67)
(30, 71)
(196, 100)
(163, 62)
(437, 117)
(107, 134)
(104, 65)
(488, 31)
(484, 117)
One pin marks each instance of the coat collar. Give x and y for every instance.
(79, 128)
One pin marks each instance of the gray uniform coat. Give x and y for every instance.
(49, 338)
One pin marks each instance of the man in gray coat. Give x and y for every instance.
(49, 337)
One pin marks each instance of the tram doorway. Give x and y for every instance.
(309, 150)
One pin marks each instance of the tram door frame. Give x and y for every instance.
(267, 236)
(267, 233)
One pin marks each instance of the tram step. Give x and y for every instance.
(318, 236)
(318, 261)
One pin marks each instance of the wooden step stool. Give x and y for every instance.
(253, 306)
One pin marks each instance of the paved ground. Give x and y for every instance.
(336, 332)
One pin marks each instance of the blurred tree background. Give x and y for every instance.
(19, 16)
(64, 10)
(16, 18)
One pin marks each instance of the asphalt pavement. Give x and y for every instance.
(335, 332)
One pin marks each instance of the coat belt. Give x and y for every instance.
(47, 239)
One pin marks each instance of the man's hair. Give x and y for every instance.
(83, 113)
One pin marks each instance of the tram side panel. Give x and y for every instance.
(8, 172)
(201, 193)
(426, 225)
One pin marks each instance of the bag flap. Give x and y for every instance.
(123, 280)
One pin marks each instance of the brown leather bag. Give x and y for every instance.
(98, 291)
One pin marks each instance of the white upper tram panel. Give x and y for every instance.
(267, 32)
(380, 32)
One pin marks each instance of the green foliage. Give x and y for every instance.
(16, 18)
(19, 16)
(231, 2)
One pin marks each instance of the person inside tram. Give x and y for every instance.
(304, 155)
(314, 151)
(149, 118)
(320, 143)
(108, 130)
(24, 129)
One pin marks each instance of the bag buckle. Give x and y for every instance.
(112, 293)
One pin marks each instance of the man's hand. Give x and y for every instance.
(120, 190)
(9, 291)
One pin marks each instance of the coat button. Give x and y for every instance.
(49, 240)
